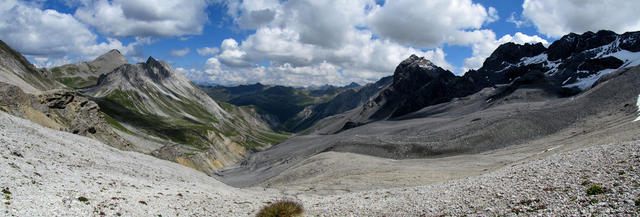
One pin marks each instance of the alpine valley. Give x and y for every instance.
(528, 133)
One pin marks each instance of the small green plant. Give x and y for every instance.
(638, 202)
(83, 199)
(281, 208)
(6, 191)
(142, 202)
(529, 202)
(595, 189)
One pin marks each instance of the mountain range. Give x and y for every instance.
(522, 95)
(145, 107)
(423, 125)
(296, 109)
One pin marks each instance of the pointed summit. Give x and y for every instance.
(114, 51)
(109, 61)
(412, 58)
(158, 70)
(352, 85)
(85, 74)
(414, 71)
(151, 60)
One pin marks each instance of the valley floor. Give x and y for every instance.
(52, 173)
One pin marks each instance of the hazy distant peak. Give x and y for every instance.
(113, 58)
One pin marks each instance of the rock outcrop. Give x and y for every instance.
(63, 110)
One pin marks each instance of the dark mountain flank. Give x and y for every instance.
(565, 68)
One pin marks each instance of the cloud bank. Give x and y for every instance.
(313, 42)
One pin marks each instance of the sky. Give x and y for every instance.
(297, 42)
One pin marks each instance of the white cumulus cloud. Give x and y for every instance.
(122, 18)
(53, 37)
(312, 42)
(556, 18)
(428, 23)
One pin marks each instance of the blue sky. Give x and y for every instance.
(299, 43)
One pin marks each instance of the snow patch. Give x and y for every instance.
(543, 59)
(424, 66)
(629, 58)
(534, 59)
(606, 49)
(584, 83)
(553, 66)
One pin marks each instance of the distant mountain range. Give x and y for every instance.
(296, 109)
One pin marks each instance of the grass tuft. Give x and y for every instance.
(83, 199)
(595, 189)
(283, 208)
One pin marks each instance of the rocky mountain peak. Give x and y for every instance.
(630, 41)
(151, 60)
(352, 85)
(112, 54)
(414, 61)
(574, 43)
(157, 70)
(110, 60)
(416, 71)
(511, 53)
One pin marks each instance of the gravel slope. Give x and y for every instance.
(554, 186)
(46, 172)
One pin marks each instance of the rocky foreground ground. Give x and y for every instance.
(53, 173)
(555, 186)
